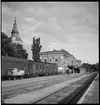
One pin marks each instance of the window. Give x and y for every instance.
(42, 66)
(61, 56)
(45, 60)
(50, 60)
(37, 66)
(56, 60)
(47, 65)
(33, 66)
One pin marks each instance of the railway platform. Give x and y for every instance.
(91, 96)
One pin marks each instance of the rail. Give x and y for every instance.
(73, 97)
(76, 95)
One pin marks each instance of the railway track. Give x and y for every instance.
(31, 80)
(70, 94)
(11, 91)
(76, 95)
(28, 80)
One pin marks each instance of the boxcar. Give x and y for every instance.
(30, 67)
(8, 63)
(42, 68)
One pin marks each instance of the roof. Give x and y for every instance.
(17, 38)
(64, 52)
(78, 60)
(41, 62)
(13, 59)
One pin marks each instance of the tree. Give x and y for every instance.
(7, 48)
(97, 66)
(36, 47)
(20, 52)
(90, 67)
(12, 49)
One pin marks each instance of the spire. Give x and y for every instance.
(14, 30)
(15, 25)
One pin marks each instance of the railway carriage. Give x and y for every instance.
(42, 68)
(9, 63)
(29, 67)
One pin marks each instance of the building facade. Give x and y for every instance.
(78, 63)
(61, 57)
(15, 34)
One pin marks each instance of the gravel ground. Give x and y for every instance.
(39, 94)
(9, 91)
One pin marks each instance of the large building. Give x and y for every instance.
(61, 57)
(15, 34)
(78, 63)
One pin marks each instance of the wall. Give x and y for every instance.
(51, 58)
(78, 63)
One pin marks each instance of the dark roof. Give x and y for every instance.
(65, 52)
(57, 51)
(13, 59)
(41, 62)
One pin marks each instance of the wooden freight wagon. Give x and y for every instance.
(8, 63)
(42, 68)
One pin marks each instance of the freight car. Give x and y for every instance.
(29, 67)
(9, 63)
(42, 68)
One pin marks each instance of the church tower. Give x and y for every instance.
(15, 34)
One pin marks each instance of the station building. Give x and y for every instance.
(61, 57)
(78, 63)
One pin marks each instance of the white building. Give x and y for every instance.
(61, 57)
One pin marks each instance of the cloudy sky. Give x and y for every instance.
(72, 26)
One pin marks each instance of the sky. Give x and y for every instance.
(72, 26)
